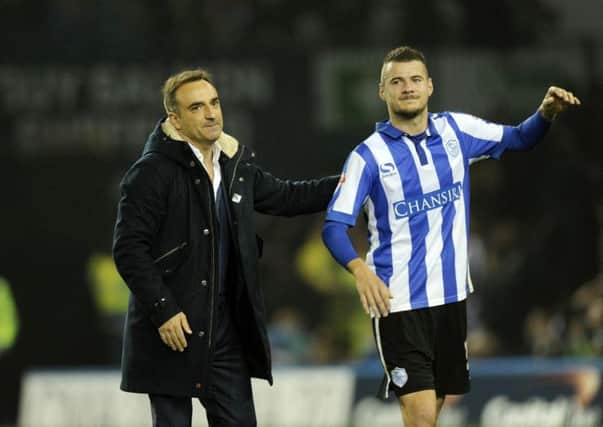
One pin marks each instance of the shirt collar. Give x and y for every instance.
(386, 127)
(215, 148)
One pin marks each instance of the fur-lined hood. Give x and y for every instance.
(166, 140)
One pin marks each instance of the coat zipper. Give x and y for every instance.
(170, 252)
(212, 272)
(234, 171)
(213, 256)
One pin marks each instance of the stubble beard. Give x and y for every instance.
(409, 114)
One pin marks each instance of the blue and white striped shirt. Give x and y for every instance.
(414, 191)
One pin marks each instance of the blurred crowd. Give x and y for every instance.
(537, 218)
(182, 27)
(574, 328)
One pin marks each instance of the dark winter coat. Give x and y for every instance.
(164, 248)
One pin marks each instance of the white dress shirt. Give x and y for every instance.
(216, 164)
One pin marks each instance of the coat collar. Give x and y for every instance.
(228, 144)
(166, 140)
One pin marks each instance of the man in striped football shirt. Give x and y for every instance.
(411, 180)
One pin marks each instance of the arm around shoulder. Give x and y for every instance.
(277, 196)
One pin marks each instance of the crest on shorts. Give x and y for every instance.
(399, 376)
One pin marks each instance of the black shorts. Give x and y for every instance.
(424, 349)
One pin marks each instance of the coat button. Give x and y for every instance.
(192, 164)
(201, 334)
(241, 179)
(205, 232)
(197, 181)
(203, 282)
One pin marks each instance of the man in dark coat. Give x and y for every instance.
(186, 246)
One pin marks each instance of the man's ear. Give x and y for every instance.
(430, 86)
(174, 120)
(381, 92)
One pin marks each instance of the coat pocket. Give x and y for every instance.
(171, 259)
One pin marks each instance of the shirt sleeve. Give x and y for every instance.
(481, 139)
(336, 239)
(527, 134)
(352, 191)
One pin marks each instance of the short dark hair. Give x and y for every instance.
(403, 54)
(172, 84)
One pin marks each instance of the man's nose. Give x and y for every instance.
(210, 113)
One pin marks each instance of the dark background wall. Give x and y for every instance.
(79, 92)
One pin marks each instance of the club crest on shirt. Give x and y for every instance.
(399, 376)
(452, 147)
(387, 169)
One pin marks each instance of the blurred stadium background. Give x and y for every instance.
(79, 92)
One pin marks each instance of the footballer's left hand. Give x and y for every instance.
(557, 100)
